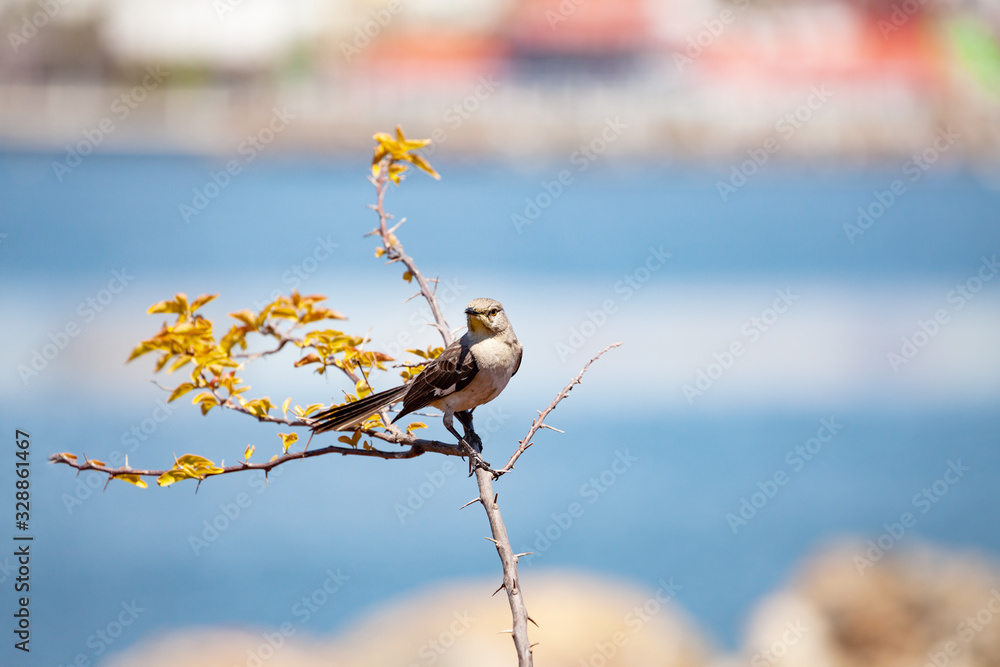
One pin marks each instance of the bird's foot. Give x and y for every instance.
(473, 451)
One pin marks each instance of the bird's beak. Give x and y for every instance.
(470, 311)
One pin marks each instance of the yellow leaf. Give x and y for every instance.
(425, 165)
(171, 476)
(66, 455)
(414, 426)
(198, 464)
(287, 440)
(396, 172)
(379, 252)
(247, 317)
(308, 410)
(201, 301)
(203, 396)
(133, 479)
(286, 313)
(176, 305)
(249, 452)
(362, 388)
(259, 406)
(407, 276)
(140, 350)
(180, 391)
(96, 462)
(311, 358)
(351, 440)
(373, 422)
(284, 407)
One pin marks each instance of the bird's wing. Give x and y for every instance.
(450, 372)
(517, 366)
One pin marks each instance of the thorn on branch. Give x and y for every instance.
(498, 590)
(474, 500)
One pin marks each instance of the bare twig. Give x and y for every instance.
(394, 250)
(539, 421)
(283, 340)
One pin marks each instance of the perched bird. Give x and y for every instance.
(470, 372)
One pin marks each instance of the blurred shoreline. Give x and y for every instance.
(516, 120)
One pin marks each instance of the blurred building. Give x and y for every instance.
(700, 79)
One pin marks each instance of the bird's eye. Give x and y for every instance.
(493, 312)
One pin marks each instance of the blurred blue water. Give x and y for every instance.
(658, 513)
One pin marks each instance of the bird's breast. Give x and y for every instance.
(496, 361)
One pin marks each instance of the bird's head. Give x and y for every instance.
(486, 316)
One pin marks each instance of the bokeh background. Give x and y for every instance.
(786, 210)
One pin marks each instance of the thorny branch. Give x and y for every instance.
(416, 447)
(539, 422)
(394, 251)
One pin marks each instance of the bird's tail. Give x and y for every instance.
(345, 417)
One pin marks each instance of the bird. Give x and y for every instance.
(468, 373)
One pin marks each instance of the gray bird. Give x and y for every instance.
(470, 372)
